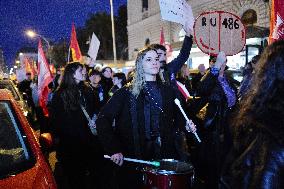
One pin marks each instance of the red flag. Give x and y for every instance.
(74, 46)
(34, 68)
(162, 37)
(276, 20)
(166, 44)
(29, 66)
(44, 78)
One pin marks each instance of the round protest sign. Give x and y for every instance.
(219, 31)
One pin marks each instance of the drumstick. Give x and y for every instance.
(154, 163)
(186, 118)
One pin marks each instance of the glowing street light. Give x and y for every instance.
(32, 34)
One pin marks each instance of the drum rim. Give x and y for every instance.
(160, 172)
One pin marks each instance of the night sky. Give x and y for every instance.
(49, 18)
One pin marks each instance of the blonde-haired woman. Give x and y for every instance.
(146, 120)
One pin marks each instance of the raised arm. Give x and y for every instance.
(175, 65)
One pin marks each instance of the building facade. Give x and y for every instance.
(144, 22)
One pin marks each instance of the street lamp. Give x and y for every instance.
(33, 34)
(113, 33)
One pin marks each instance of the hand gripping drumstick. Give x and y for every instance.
(186, 118)
(154, 163)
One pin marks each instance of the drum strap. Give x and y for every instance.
(133, 112)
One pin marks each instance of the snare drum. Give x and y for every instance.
(172, 174)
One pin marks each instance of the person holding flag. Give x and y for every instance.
(44, 78)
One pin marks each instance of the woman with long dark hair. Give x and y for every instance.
(257, 160)
(78, 150)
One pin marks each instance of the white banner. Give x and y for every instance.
(94, 47)
(176, 11)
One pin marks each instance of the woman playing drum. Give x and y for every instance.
(146, 120)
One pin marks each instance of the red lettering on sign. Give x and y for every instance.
(219, 31)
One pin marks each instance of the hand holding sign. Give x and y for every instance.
(220, 60)
(219, 31)
(188, 28)
(177, 11)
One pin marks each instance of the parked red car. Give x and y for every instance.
(22, 164)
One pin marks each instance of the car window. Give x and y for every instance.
(10, 88)
(15, 155)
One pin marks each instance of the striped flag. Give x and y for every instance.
(276, 20)
(44, 78)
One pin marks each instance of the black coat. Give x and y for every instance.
(71, 127)
(212, 92)
(121, 139)
(175, 65)
(259, 161)
(106, 83)
(215, 133)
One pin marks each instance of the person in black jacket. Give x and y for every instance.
(101, 95)
(25, 88)
(146, 120)
(106, 80)
(169, 70)
(257, 160)
(77, 149)
(220, 95)
(119, 80)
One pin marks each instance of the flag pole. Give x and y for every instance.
(68, 58)
(113, 33)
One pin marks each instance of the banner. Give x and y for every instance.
(44, 78)
(177, 11)
(276, 20)
(74, 46)
(94, 47)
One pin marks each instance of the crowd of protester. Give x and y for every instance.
(95, 112)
